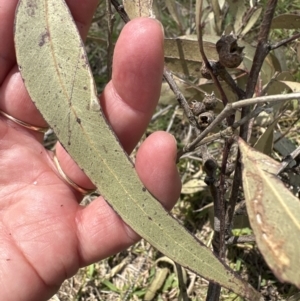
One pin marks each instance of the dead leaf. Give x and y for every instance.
(156, 284)
(193, 186)
(138, 8)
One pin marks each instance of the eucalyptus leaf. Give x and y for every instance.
(287, 21)
(266, 163)
(167, 95)
(264, 143)
(173, 10)
(182, 55)
(215, 5)
(233, 7)
(61, 85)
(274, 215)
(252, 21)
(294, 86)
(239, 15)
(275, 87)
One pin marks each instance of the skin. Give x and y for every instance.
(45, 235)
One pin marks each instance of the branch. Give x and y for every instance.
(231, 107)
(229, 131)
(262, 50)
(110, 46)
(288, 159)
(210, 167)
(121, 11)
(180, 98)
(240, 239)
(284, 41)
(223, 73)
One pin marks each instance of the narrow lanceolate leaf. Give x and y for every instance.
(273, 213)
(54, 66)
(172, 7)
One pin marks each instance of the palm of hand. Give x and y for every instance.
(38, 218)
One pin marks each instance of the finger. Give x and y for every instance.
(101, 232)
(162, 178)
(16, 102)
(129, 100)
(72, 170)
(82, 12)
(7, 52)
(131, 97)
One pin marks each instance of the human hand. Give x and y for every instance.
(45, 235)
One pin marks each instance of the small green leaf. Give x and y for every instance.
(110, 285)
(91, 270)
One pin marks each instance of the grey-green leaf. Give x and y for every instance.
(182, 56)
(54, 66)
